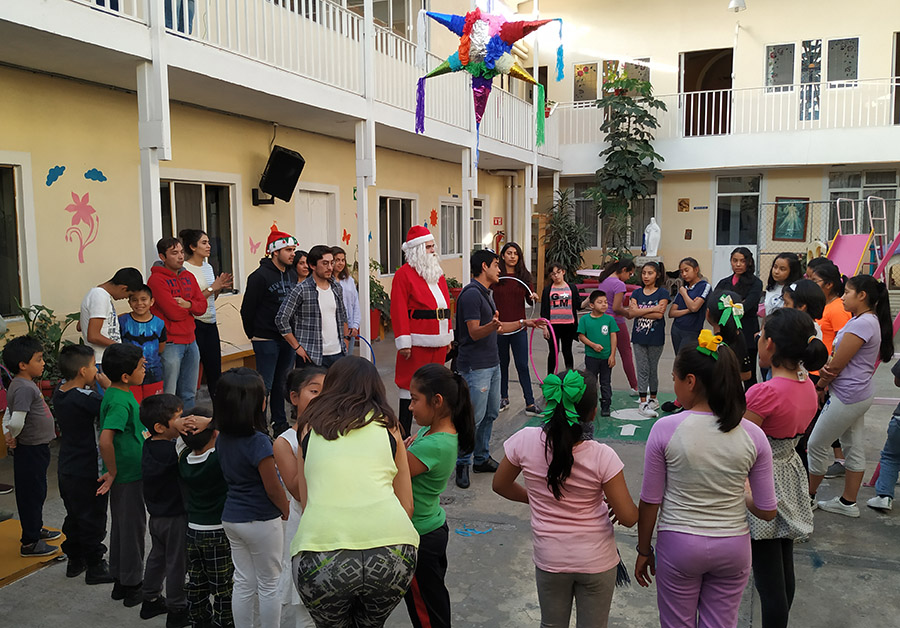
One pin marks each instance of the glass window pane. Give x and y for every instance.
(779, 65)
(643, 210)
(842, 180)
(736, 220)
(396, 235)
(736, 185)
(383, 231)
(187, 206)
(881, 177)
(166, 206)
(218, 226)
(843, 58)
(10, 285)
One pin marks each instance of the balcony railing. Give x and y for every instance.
(132, 9)
(804, 107)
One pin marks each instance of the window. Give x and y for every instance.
(586, 213)
(737, 211)
(843, 61)
(779, 67)
(391, 14)
(857, 187)
(643, 209)
(10, 286)
(206, 206)
(451, 229)
(394, 221)
(477, 224)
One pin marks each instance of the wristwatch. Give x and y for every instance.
(521, 323)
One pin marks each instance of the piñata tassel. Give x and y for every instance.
(477, 142)
(421, 44)
(560, 66)
(420, 105)
(539, 140)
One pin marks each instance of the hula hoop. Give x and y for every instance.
(371, 350)
(531, 351)
(530, 292)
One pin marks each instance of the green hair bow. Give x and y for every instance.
(568, 391)
(732, 309)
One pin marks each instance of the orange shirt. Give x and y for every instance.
(833, 319)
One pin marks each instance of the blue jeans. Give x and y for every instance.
(181, 369)
(274, 359)
(518, 342)
(484, 390)
(890, 460)
(179, 11)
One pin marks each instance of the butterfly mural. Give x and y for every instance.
(254, 246)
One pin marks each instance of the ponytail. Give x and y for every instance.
(616, 266)
(719, 378)
(562, 434)
(436, 379)
(877, 300)
(806, 292)
(793, 333)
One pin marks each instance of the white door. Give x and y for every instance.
(314, 219)
(735, 222)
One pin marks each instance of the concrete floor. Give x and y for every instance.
(847, 574)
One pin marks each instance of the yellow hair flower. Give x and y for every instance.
(708, 343)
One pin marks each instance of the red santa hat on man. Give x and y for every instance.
(278, 240)
(417, 235)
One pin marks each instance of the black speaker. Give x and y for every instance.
(282, 173)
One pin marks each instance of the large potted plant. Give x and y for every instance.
(629, 166)
(380, 302)
(565, 238)
(43, 325)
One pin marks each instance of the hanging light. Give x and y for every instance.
(737, 5)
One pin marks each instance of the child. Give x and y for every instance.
(783, 407)
(725, 314)
(569, 480)
(142, 329)
(28, 428)
(98, 324)
(890, 457)
(77, 409)
(598, 333)
(612, 282)
(696, 464)
(439, 401)
(806, 295)
(161, 415)
(647, 308)
(303, 385)
(689, 311)
(256, 503)
(121, 446)
(210, 570)
(785, 270)
(559, 305)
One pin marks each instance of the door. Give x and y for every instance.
(736, 221)
(706, 87)
(315, 219)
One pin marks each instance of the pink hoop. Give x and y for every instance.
(531, 350)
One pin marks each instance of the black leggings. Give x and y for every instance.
(207, 335)
(566, 333)
(773, 575)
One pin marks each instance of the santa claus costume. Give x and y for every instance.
(420, 314)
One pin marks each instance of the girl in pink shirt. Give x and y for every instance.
(783, 407)
(569, 479)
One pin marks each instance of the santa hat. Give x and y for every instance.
(278, 240)
(417, 235)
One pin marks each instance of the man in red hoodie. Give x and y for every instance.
(177, 299)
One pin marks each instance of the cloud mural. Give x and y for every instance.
(54, 173)
(95, 175)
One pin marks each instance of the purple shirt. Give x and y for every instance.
(612, 286)
(854, 383)
(697, 473)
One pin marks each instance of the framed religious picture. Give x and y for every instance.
(791, 219)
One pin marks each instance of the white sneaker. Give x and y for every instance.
(813, 503)
(634, 393)
(653, 404)
(883, 503)
(838, 507)
(645, 410)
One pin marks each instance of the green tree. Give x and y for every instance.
(565, 238)
(630, 162)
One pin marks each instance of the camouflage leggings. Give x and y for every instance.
(354, 588)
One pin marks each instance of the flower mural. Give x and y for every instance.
(85, 224)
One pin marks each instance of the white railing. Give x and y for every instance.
(551, 137)
(807, 107)
(509, 119)
(134, 9)
(313, 38)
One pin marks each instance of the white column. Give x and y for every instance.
(469, 191)
(526, 214)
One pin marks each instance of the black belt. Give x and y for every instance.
(440, 314)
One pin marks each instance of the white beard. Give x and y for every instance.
(426, 264)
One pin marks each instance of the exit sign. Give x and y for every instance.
(498, 221)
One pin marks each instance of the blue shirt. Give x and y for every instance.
(147, 335)
(692, 321)
(239, 457)
(475, 303)
(650, 332)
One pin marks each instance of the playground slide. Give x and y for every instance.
(879, 272)
(848, 251)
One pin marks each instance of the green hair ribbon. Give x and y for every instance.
(568, 391)
(731, 309)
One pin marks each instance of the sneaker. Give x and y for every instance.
(653, 404)
(49, 535)
(881, 502)
(38, 548)
(647, 411)
(152, 608)
(634, 393)
(488, 466)
(533, 410)
(669, 406)
(118, 591)
(98, 573)
(813, 503)
(504, 404)
(605, 412)
(75, 567)
(836, 470)
(178, 618)
(133, 595)
(6, 489)
(838, 507)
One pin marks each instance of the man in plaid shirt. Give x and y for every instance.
(312, 318)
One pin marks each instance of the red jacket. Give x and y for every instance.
(166, 285)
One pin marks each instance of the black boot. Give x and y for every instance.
(178, 618)
(134, 595)
(118, 590)
(98, 573)
(75, 567)
(462, 475)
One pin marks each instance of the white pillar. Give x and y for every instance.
(526, 214)
(469, 191)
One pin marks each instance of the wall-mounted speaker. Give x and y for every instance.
(282, 173)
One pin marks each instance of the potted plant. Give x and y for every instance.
(380, 302)
(43, 325)
(565, 238)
